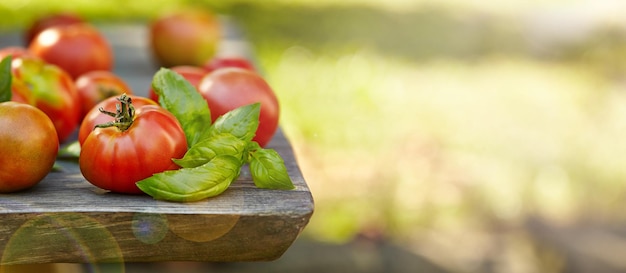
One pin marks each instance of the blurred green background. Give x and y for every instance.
(447, 128)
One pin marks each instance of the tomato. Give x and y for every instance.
(20, 92)
(95, 117)
(77, 48)
(187, 37)
(193, 74)
(115, 158)
(28, 145)
(232, 61)
(48, 88)
(51, 20)
(95, 86)
(228, 88)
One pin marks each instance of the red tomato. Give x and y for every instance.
(51, 20)
(29, 146)
(95, 117)
(48, 88)
(193, 74)
(95, 86)
(187, 37)
(20, 92)
(115, 159)
(228, 88)
(222, 61)
(77, 48)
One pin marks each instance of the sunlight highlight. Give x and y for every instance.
(48, 38)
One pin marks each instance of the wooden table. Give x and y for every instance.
(64, 219)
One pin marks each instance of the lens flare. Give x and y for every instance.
(60, 237)
(149, 228)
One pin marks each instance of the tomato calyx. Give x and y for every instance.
(124, 114)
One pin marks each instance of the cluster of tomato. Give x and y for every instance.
(65, 72)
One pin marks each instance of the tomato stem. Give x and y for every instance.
(124, 114)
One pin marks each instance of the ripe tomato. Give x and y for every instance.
(77, 48)
(29, 146)
(48, 88)
(232, 61)
(187, 37)
(95, 86)
(95, 117)
(228, 88)
(115, 158)
(193, 74)
(51, 20)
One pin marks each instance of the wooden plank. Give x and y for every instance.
(64, 219)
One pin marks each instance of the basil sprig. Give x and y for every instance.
(5, 79)
(217, 152)
(204, 151)
(193, 184)
(268, 168)
(180, 98)
(241, 122)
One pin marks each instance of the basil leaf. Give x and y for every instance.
(197, 155)
(5, 79)
(241, 122)
(207, 149)
(268, 170)
(253, 146)
(69, 151)
(193, 184)
(180, 98)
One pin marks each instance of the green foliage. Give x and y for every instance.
(217, 152)
(268, 169)
(193, 184)
(5, 79)
(207, 149)
(241, 122)
(180, 98)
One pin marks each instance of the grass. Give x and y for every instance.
(435, 126)
(436, 122)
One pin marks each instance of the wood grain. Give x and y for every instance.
(64, 219)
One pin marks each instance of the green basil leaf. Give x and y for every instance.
(241, 122)
(193, 184)
(197, 155)
(5, 79)
(268, 170)
(180, 98)
(253, 146)
(205, 150)
(69, 151)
